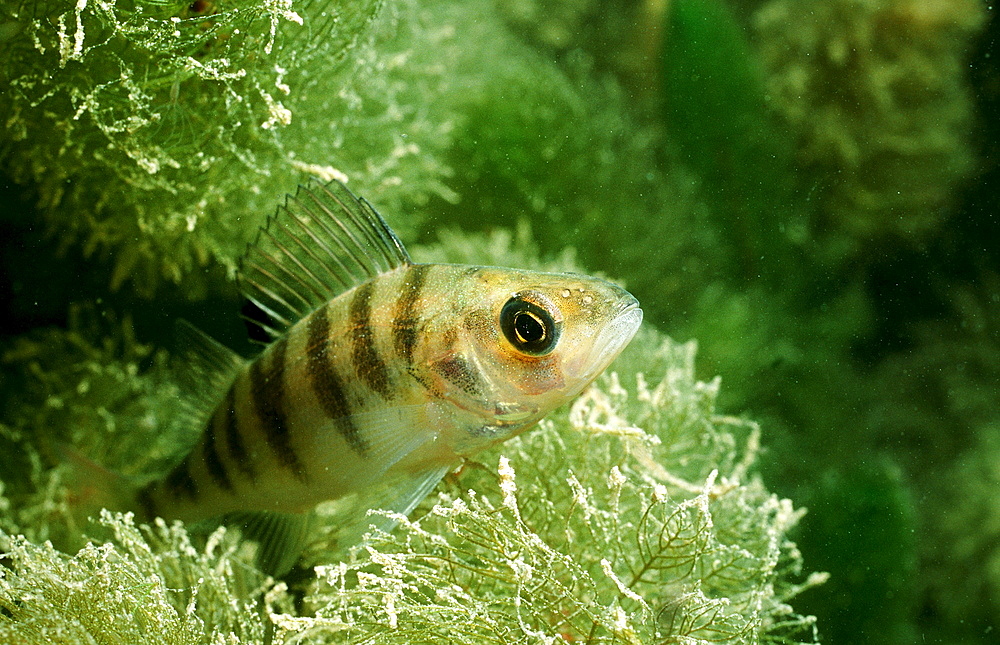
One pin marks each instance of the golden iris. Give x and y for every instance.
(528, 327)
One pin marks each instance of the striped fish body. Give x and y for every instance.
(380, 370)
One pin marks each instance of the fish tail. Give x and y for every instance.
(91, 486)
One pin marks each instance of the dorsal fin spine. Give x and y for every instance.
(333, 235)
(360, 261)
(271, 312)
(321, 242)
(371, 239)
(401, 256)
(307, 250)
(266, 309)
(379, 237)
(291, 256)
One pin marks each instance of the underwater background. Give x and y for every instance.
(805, 188)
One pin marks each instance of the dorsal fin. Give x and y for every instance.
(322, 242)
(205, 370)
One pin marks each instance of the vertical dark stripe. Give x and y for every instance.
(368, 365)
(325, 384)
(180, 482)
(213, 463)
(234, 435)
(267, 388)
(404, 315)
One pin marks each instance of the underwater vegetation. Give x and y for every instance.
(875, 95)
(204, 114)
(948, 387)
(804, 188)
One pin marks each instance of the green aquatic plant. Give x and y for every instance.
(965, 497)
(863, 525)
(717, 119)
(875, 94)
(148, 584)
(160, 133)
(92, 388)
(622, 38)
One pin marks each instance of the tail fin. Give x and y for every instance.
(92, 486)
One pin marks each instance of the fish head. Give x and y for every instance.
(528, 342)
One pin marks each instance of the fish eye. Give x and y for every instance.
(529, 327)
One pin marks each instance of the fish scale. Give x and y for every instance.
(383, 374)
(326, 384)
(266, 416)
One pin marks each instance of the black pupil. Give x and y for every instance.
(529, 328)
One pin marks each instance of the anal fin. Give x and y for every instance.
(281, 537)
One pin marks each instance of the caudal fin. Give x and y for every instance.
(91, 486)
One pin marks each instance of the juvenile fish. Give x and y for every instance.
(380, 370)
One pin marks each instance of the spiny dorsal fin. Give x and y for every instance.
(322, 242)
(205, 371)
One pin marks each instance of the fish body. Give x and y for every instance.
(383, 369)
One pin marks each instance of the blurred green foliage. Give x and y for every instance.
(715, 112)
(876, 96)
(864, 527)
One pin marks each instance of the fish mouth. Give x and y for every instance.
(618, 333)
(610, 341)
(626, 307)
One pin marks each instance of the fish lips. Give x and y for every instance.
(608, 343)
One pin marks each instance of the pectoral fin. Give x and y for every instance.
(350, 519)
(386, 436)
